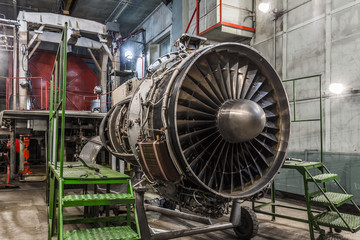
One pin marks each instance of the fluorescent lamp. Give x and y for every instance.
(264, 7)
(336, 88)
(128, 55)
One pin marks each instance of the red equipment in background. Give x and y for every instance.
(26, 141)
(81, 80)
(7, 184)
(17, 145)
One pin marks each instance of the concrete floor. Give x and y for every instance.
(23, 215)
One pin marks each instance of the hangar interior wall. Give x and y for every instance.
(314, 37)
(319, 37)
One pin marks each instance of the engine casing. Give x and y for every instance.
(215, 120)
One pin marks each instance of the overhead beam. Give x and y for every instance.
(52, 37)
(103, 41)
(58, 21)
(34, 49)
(36, 35)
(94, 59)
(114, 15)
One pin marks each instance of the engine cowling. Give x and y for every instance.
(215, 119)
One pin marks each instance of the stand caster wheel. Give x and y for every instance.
(249, 224)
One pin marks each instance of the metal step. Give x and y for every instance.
(332, 219)
(301, 164)
(81, 219)
(123, 232)
(336, 198)
(321, 178)
(98, 199)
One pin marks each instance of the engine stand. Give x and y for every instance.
(238, 220)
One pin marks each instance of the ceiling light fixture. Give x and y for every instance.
(264, 7)
(128, 55)
(336, 88)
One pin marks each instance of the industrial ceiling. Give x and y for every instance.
(129, 13)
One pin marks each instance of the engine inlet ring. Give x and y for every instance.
(224, 72)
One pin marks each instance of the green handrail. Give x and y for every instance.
(63, 99)
(320, 119)
(57, 103)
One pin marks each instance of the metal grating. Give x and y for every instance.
(107, 196)
(123, 232)
(76, 170)
(336, 198)
(332, 219)
(324, 177)
(297, 164)
(98, 199)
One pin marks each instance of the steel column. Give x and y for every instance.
(23, 66)
(21, 154)
(12, 152)
(103, 79)
(273, 207)
(15, 72)
(197, 17)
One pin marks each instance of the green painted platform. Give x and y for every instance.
(297, 164)
(107, 233)
(336, 198)
(77, 170)
(332, 219)
(98, 199)
(321, 178)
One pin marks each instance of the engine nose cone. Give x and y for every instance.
(240, 120)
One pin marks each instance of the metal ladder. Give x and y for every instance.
(331, 217)
(62, 175)
(332, 200)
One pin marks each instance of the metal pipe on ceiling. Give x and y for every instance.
(7, 21)
(114, 15)
(15, 8)
(18, 6)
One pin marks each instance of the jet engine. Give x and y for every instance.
(205, 126)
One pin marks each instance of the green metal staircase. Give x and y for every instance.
(331, 217)
(82, 175)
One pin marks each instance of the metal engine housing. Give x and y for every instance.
(214, 120)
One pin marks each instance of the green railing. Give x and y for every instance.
(57, 113)
(57, 105)
(82, 175)
(295, 100)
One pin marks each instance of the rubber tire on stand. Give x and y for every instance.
(249, 224)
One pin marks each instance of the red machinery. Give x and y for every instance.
(81, 80)
(26, 140)
(7, 184)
